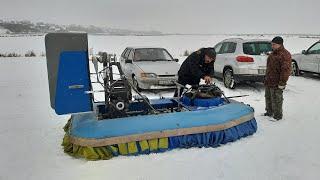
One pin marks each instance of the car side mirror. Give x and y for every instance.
(304, 52)
(176, 60)
(128, 61)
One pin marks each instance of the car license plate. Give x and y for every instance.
(165, 82)
(262, 71)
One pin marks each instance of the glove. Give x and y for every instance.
(188, 86)
(207, 79)
(281, 87)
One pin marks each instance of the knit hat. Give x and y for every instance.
(210, 52)
(277, 40)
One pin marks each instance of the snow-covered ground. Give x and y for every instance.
(31, 133)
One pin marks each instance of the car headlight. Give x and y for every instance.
(148, 75)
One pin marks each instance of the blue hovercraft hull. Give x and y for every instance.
(201, 128)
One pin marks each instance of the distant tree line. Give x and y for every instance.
(27, 27)
(27, 54)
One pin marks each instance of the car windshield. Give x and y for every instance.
(256, 48)
(152, 54)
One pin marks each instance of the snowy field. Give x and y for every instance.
(31, 133)
(175, 44)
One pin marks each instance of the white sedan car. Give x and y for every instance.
(149, 67)
(240, 60)
(307, 61)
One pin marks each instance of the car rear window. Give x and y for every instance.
(228, 47)
(256, 48)
(126, 54)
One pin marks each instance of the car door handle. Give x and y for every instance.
(76, 86)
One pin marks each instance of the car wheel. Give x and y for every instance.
(135, 83)
(295, 69)
(228, 79)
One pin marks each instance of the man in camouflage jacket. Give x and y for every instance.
(277, 75)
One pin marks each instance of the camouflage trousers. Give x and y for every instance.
(274, 101)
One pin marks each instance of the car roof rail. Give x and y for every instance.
(229, 39)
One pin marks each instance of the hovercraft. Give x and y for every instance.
(123, 124)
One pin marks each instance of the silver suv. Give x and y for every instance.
(239, 60)
(307, 61)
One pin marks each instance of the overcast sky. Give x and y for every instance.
(174, 16)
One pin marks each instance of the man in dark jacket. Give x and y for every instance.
(277, 75)
(198, 65)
